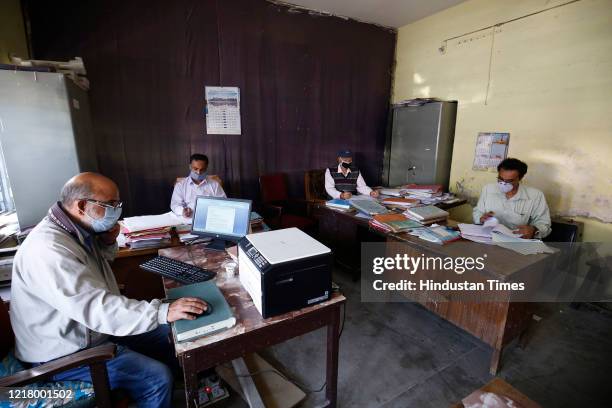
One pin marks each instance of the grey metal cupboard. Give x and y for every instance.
(420, 147)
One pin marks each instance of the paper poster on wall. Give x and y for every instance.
(491, 149)
(222, 110)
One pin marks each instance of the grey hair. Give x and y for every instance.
(76, 190)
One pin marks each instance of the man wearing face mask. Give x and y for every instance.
(65, 297)
(520, 208)
(198, 183)
(345, 180)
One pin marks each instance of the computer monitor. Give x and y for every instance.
(223, 219)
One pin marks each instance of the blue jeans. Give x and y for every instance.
(143, 367)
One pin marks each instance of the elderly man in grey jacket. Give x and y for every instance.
(65, 297)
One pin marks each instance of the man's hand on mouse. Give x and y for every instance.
(186, 308)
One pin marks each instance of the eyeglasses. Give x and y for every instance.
(511, 181)
(106, 204)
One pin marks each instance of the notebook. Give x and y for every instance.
(396, 222)
(338, 203)
(400, 202)
(426, 212)
(221, 317)
(368, 206)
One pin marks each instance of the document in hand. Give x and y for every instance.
(484, 233)
(494, 232)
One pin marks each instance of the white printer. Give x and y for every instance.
(284, 270)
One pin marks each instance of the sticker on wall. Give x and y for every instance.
(491, 149)
(222, 110)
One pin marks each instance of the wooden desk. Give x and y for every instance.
(344, 232)
(251, 332)
(138, 284)
(495, 323)
(134, 282)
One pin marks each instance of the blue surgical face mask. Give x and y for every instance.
(505, 187)
(198, 177)
(108, 221)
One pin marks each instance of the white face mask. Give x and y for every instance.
(505, 187)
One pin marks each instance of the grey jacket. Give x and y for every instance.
(64, 296)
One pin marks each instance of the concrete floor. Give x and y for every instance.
(401, 355)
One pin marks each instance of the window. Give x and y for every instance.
(6, 196)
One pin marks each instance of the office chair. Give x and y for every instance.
(314, 188)
(15, 374)
(280, 211)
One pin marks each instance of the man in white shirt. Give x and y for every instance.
(345, 180)
(517, 206)
(198, 183)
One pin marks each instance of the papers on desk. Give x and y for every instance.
(150, 222)
(148, 231)
(368, 205)
(494, 232)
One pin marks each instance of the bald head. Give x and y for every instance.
(88, 186)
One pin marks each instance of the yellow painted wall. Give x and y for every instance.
(550, 87)
(12, 31)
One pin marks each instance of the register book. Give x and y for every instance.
(221, 317)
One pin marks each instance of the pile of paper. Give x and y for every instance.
(494, 232)
(400, 202)
(426, 214)
(152, 230)
(393, 223)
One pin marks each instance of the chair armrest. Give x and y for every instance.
(85, 357)
(271, 210)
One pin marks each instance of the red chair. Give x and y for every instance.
(280, 211)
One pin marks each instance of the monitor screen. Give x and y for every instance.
(226, 218)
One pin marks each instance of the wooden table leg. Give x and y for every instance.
(333, 348)
(190, 375)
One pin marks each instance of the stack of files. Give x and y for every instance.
(392, 192)
(150, 222)
(150, 238)
(220, 318)
(338, 204)
(426, 214)
(368, 206)
(400, 202)
(438, 235)
(393, 223)
(152, 230)
(424, 188)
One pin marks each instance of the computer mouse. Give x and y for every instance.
(209, 309)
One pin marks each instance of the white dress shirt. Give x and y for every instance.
(186, 191)
(362, 187)
(527, 207)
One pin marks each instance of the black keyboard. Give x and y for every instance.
(177, 270)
